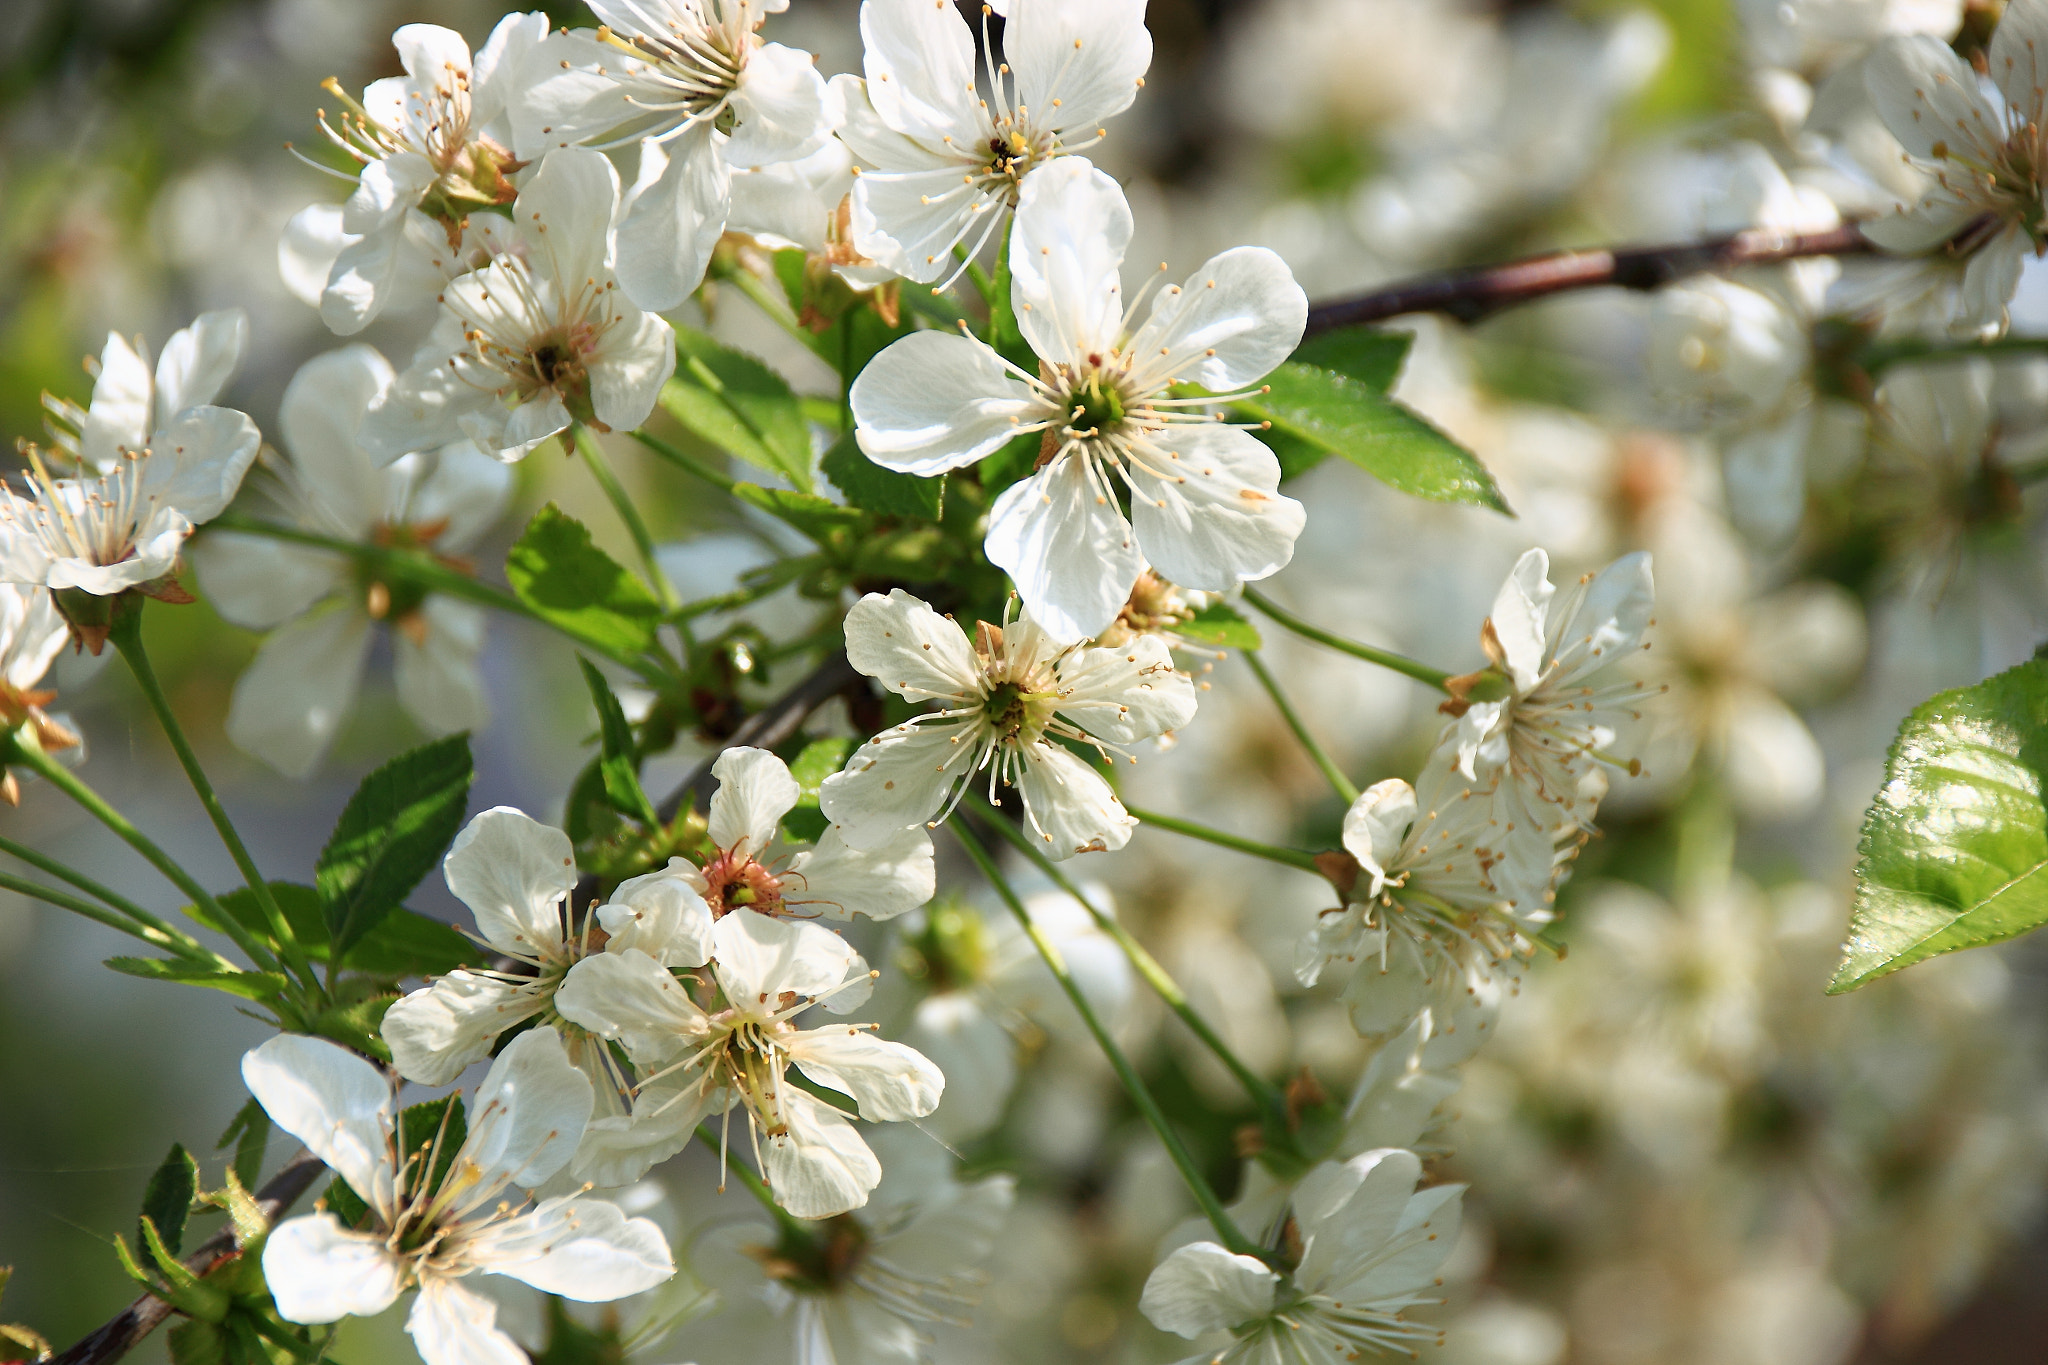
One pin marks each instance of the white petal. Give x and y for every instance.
(629, 997)
(562, 97)
(198, 361)
(675, 213)
(436, 1033)
(1614, 613)
(818, 1167)
(620, 1149)
(1078, 62)
(890, 1082)
(919, 60)
(290, 702)
(1775, 768)
(908, 222)
(910, 649)
(319, 417)
(976, 1056)
(438, 681)
(1520, 611)
(1375, 825)
(512, 436)
(319, 1271)
(582, 1249)
(2019, 55)
(896, 781)
(387, 190)
(1204, 1288)
(1066, 250)
(1232, 321)
(513, 873)
(34, 632)
(1412, 1268)
(661, 914)
(1069, 805)
(933, 402)
(754, 792)
(1068, 549)
(1347, 1212)
(758, 958)
(466, 489)
(837, 881)
(1223, 521)
(424, 406)
(368, 272)
(528, 1115)
(1926, 95)
(259, 583)
(872, 140)
(333, 1101)
(779, 108)
(204, 453)
(450, 1325)
(573, 195)
(121, 412)
(307, 250)
(1126, 694)
(1991, 279)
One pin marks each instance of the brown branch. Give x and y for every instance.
(121, 1334)
(1469, 295)
(773, 724)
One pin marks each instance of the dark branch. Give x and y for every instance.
(773, 724)
(119, 1335)
(1469, 295)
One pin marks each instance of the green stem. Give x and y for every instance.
(153, 929)
(689, 464)
(190, 951)
(1211, 1206)
(1339, 783)
(754, 1184)
(127, 637)
(60, 777)
(1261, 1091)
(1385, 658)
(430, 573)
(1292, 857)
(601, 470)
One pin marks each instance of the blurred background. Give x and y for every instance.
(1681, 1150)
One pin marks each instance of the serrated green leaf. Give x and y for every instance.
(422, 1140)
(558, 572)
(819, 760)
(1371, 356)
(345, 1204)
(618, 762)
(1221, 625)
(1317, 412)
(390, 836)
(869, 486)
(248, 985)
(1955, 848)
(356, 1024)
(810, 514)
(167, 1200)
(249, 1132)
(403, 943)
(739, 405)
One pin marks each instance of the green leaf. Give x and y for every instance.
(1221, 625)
(345, 1204)
(618, 761)
(814, 516)
(421, 1139)
(1955, 849)
(1317, 412)
(356, 1024)
(403, 943)
(248, 985)
(390, 836)
(250, 1133)
(167, 1201)
(869, 486)
(572, 585)
(739, 405)
(819, 760)
(1366, 354)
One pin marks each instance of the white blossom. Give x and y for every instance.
(693, 84)
(732, 1040)
(32, 631)
(1004, 700)
(945, 164)
(132, 405)
(538, 338)
(1370, 1247)
(527, 1118)
(1205, 508)
(320, 607)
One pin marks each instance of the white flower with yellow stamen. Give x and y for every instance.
(538, 338)
(132, 404)
(946, 166)
(1006, 699)
(1205, 507)
(527, 1120)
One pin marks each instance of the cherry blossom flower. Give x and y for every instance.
(1005, 697)
(32, 630)
(732, 1039)
(1370, 1247)
(434, 146)
(538, 338)
(1205, 508)
(946, 165)
(525, 1124)
(133, 404)
(321, 608)
(693, 84)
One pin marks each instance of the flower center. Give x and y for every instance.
(816, 1258)
(737, 882)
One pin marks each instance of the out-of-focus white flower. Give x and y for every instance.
(434, 145)
(945, 164)
(1792, 43)
(1371, 1245)
(32, 630)
(1982, 152)
(735, 1047)
(703, 96)
(1206, 510)
(1004, 700)
(538, 338)
(131, 405)
(529, 1115)
(320, 606)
